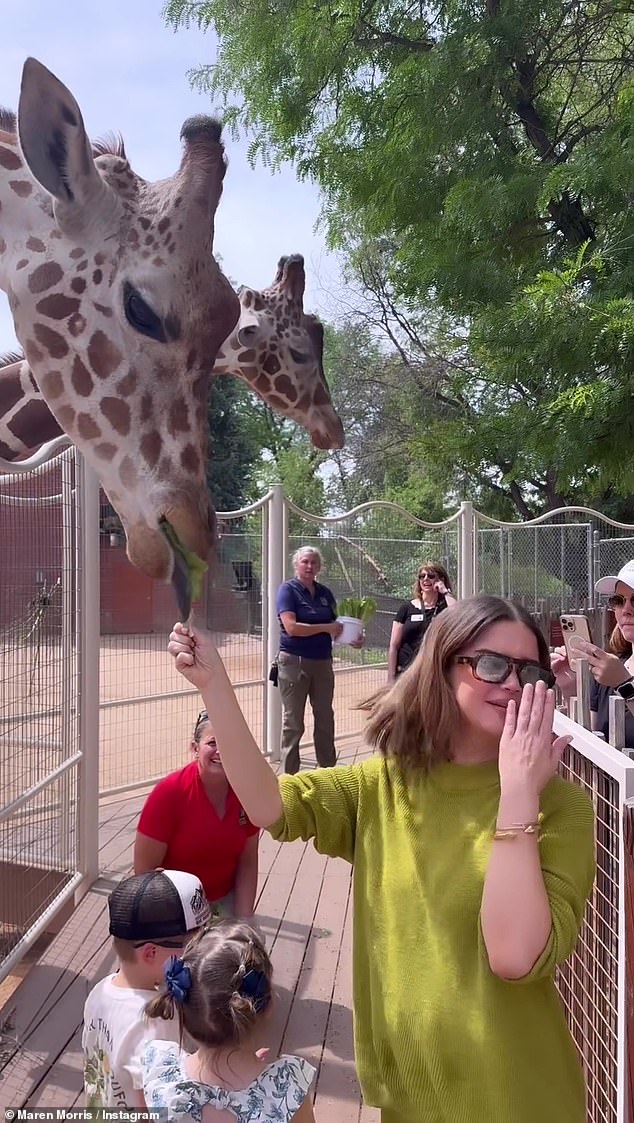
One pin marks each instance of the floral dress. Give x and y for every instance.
(274, 1097)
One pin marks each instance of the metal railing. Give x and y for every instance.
(593, 983)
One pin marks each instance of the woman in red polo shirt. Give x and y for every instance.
(193, 821)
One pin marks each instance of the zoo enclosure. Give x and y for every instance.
(62, 741)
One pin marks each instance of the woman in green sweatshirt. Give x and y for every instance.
(472, 861)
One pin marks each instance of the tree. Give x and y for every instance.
(233, 447)
(487, 151)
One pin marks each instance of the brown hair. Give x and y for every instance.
(618, 643)
(215, 1011)
(440, 572)
(125, 949)
(414, 720)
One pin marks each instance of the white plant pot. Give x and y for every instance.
(352, 630)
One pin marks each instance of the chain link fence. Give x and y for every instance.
(555, 559)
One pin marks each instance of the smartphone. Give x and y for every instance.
(574, 628)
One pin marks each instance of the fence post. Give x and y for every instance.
(275, 552)
(584, 686)
(88, 611)
(466, 548)
(616, 711)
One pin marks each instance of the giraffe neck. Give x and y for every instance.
(26, 422)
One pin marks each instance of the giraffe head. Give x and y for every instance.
(278, 350)
(119, 305)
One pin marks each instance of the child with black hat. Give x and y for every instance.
(152, 915)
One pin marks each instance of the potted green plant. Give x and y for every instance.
(354, 613)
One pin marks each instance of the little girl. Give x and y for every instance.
(219, 990)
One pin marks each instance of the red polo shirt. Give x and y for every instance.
(178, 812)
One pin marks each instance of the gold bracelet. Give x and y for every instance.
(513, 831)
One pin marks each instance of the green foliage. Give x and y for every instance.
(233, 444)
(296, 469)
(477, 164)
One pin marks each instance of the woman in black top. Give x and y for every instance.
(431, 595)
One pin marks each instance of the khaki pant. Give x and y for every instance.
(298, 680)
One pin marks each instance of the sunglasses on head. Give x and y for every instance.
(202, 719)
(491, 666)
(618, 601)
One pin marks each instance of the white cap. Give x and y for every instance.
(608, 584)
(196, 910)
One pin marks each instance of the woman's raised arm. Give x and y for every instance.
(248, 773)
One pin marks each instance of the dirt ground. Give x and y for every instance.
(147, 710)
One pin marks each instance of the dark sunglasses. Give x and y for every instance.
(490, 666)
(617, 601)
(428, 573)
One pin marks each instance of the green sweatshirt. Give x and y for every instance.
(438, 1037)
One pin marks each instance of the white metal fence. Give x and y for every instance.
(48, 767)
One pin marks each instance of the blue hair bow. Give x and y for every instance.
(255, 986)
(178, 978)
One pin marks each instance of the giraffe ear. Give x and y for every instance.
(53, 138)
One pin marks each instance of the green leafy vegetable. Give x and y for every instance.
(361, 608)
(189, 570)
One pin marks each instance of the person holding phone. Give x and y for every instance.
(431, 595)
(613, 670)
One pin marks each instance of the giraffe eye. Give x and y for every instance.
(140, 316)
(298, 356)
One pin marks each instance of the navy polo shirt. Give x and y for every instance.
(292, 596)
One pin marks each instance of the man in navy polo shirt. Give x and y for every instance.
(308, 625)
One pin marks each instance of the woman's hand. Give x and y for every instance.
(195, 654)
(529, 754)
(335, 629)
(607, 669)
(440, 588)
(563, 672)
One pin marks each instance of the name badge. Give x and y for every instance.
(416, 619)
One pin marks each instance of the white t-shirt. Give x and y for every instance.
(113, 1040)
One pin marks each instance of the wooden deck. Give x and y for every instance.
(304, 909)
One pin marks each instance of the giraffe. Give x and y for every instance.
(119, 305)
(275, 348)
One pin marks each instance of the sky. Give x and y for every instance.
(128, 72)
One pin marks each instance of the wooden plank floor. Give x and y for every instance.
(304, 909)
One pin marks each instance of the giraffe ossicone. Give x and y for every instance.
(119, 305)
